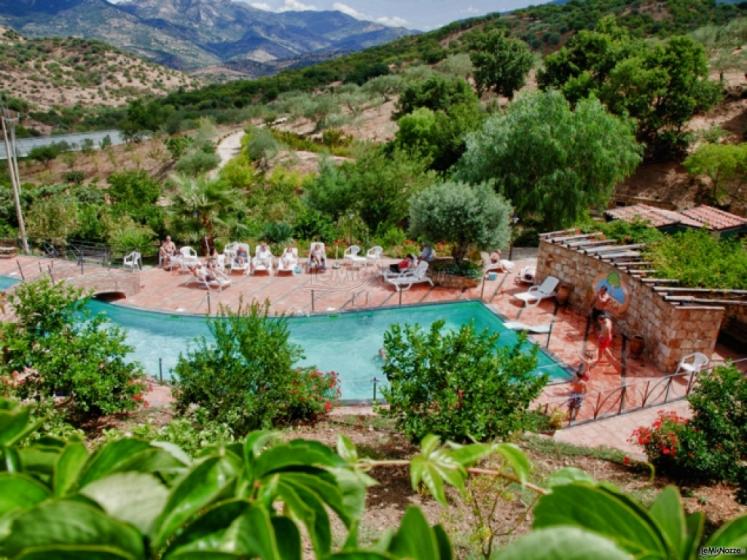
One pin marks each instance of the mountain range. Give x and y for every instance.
(200, 34)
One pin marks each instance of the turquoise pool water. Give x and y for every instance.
(6, 282)
(347, 343)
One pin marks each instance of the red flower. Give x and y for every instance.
(626, 460)
(327, 406)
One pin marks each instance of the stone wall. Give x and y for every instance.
(669, 331)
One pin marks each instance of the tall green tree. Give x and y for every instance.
(660, 85)
(438, 92)
(462, 215)
(439, 136)
(553, 163)
(725, 165)
(501, 63)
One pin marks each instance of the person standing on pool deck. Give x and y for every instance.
(578, 391)
(605, 337)
(600, 304)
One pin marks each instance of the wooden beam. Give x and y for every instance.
(706, 290)
(693, 299)
(660, 281)
(634, 263)
(621, 254)
(566, 238)
(616, 248)
(549, 234)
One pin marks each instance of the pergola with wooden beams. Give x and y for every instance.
(631, 259)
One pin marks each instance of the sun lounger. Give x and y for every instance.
(536, 294)
(531, 329)
(238, 257)
(405, 280)
(488, 265)
(211, 280)
(288, 260)
(262, 261)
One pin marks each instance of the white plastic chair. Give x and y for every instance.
(219, 280)
(405, 280)
(133, 260)
(693, 363)
(352, 256)
(373, 255)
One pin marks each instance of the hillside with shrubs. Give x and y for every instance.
(64, 72)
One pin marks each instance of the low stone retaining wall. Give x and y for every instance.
(670, 331)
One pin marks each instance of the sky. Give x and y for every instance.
(415, 14)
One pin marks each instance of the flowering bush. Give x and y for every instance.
(247, 376)
(662, 440)
(711, 445)
(56, 348)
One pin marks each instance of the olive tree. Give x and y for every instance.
(501, 63)
(553, 163)
(464, 215)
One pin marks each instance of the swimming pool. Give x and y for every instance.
(6, 282)
(347, 343)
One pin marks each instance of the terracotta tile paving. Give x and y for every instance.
(615, 432)
(341, 288)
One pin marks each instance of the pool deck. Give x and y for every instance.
(341, 288)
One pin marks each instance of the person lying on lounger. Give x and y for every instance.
(411, 261)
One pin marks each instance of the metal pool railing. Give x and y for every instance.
(628, 397)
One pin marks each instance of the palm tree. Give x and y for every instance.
(199, 206)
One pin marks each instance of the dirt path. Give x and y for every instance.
(228, 148)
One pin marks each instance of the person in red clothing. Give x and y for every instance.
(604, 323)
(404, 264)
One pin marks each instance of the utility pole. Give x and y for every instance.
(9, 123)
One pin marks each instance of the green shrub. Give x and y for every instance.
(458, 384)
(53, 218)
(708, 262)
(197, 162)
(311, 224)
(247, 375)
(711, 445)
(75, 177)
(62, 350)
(277, 232)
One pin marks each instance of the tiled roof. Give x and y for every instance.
(657, 217)
(713, 218)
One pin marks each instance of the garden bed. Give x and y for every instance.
(446, 274)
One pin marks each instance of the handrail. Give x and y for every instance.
(628, 397)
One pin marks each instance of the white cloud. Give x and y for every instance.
(349, 10)
(296, 6)
(391, 21)
(261, 6)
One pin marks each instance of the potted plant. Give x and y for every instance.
(636, 346)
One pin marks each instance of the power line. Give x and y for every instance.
(9, 120)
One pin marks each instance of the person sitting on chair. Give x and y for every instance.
(264, 256)
(166, 252)
(242, 256)
(316, 257)
(427, 254)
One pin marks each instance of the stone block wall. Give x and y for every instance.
(670, 332)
